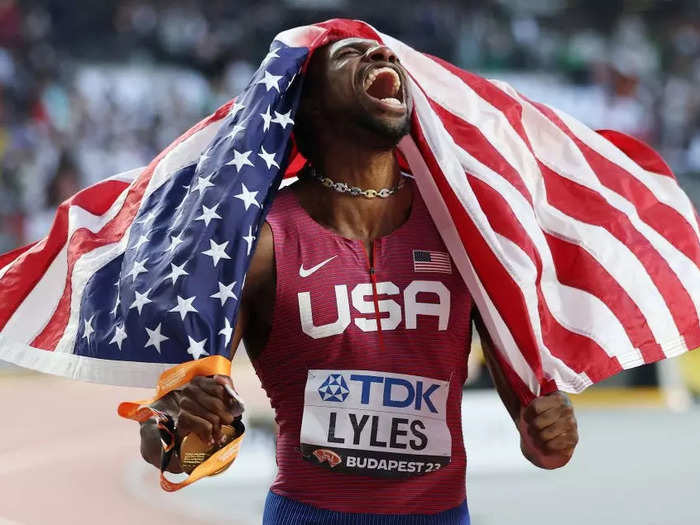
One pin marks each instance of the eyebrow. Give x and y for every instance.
(357, 44)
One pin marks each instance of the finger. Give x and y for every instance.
(212, 404)
(542, 404)
(563, 442)
(193, 407)
(209, 385)
(545, 419)
(234, 399)
(560, 426)
(207, 389)
(189, 423)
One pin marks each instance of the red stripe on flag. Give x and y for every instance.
(661, 217)
(499, 285)
(577, 268)
(590, 207)
(21, 278)
(468, 137)
(338, 29)
(472, 140)
(638, 151)
(84, 240)
(578, 352)
(511, 108)
(7, 258)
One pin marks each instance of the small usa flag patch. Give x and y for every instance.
(430, 261)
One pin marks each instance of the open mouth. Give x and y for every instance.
(384, 85)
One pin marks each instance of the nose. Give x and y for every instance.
(381, 54)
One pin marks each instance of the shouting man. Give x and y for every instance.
(359, 325)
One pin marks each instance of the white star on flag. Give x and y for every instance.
(225, 292)
(283, 119)
(235, 108)
(270, 55)
(269, 158)
(267, 118)
(227, 332)
(271, 81)
(139, 268)
(248, 197)
(116, 304)
(208, 214)
(202, 184)
(196, 348)
(142, 240)
(184, 306)
(249, 239)
(88, 330)
(175, 241)
(217, 251)
(181, 207)
(155, 338)
(148, 217)
(202, 159)
(176, 272)
(237, 128)
(141, 300)
(119, 335)
(240, 160)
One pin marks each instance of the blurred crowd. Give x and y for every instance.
(88, 89)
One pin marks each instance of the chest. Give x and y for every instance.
(332, 288)
(400, 306)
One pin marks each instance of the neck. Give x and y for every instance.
(360, 167)
(358, 217)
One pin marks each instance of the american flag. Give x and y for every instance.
(431, 261)
(579, 248)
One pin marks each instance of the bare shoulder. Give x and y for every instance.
(262, 266)
(259, 294)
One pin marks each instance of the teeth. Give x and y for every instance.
(376, 72)
(393, 101)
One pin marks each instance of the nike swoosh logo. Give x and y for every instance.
(305, 273)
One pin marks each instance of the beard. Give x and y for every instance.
(391, 131)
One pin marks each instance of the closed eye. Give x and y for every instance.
(347, 51)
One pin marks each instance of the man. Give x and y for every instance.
(397, 359)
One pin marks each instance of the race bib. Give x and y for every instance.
(375, 423)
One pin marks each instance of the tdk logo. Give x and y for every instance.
(396, 392)
(334, 388)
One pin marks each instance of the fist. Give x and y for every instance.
(205, 404)
(548, 431)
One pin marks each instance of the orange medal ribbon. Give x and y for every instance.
(172, 379)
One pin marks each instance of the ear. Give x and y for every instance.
(309, 113)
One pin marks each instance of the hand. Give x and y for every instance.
(548, 431)
(204, 405)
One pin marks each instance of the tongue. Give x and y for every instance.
(382, 87)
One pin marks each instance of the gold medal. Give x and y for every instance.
(194, 451)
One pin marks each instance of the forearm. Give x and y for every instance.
(509, 398)
(547, 426)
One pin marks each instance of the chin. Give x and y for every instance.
(391, 130)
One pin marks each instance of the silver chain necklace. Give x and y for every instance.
(342, 187)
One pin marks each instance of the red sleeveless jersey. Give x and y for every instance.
(369, 416)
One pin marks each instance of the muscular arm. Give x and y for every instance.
(547, 426)
(203, 405)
